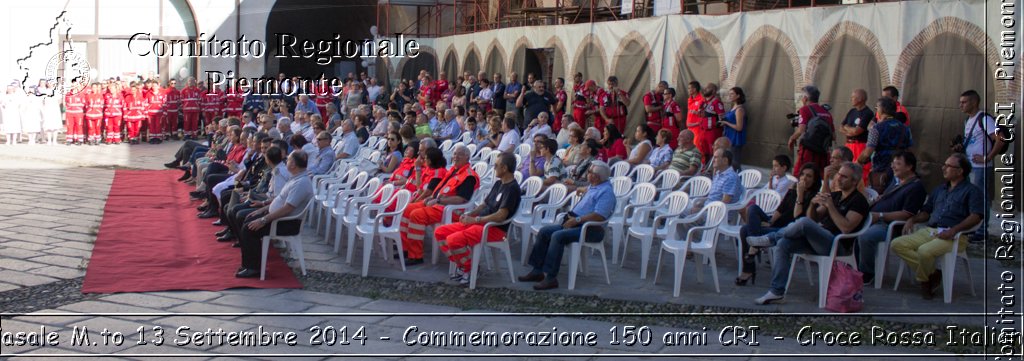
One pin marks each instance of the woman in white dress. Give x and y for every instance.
(52, 123)
(10, 113)
(31, 108)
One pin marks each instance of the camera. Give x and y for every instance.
(794, 118)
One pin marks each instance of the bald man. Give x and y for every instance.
(856, 124)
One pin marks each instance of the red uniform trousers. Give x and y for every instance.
(457, 241)
(170, 122)
(94, 127)
(155, 125)
(580, 116)
(705, 142)
(558, 121)
(74, 127)
(132, 126)
(415, 220)
(209, 116)
(857, 148)
(807, 156)
(113, 128)
(675, 136)
(191, 125)
(620, 123)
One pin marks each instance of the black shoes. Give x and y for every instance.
(532, 277)
(203, 208)
(546, 284)
(207, 214)
(247, 273)
(743, 281)
(222, 232)
(218, 223)
(227, 237)
(171, 165)
(413, 261)
(196, 195)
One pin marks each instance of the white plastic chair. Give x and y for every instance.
(502, 245)
(448, 216)
(351, 217)
(666, 181)
(871, 194)
(519, 177)
(446, 146)
(328, 187)
(620, 169)
(948, 266)
(523, 150)
(750, 178)
(697, 188)
(369, 228)
(641, 195)
(576, 258)
(713, 214)
(483, 155)
(327, 204)
(824, 262)
(671, 207)
(471, 147)
(546, 215)
(766, 199)
(339, 208)
(294, 242)
(882, 254)
(524, 218)
(642, 173)
(560, 153)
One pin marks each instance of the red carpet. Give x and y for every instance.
(151, 240)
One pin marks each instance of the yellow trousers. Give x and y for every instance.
(921, 248)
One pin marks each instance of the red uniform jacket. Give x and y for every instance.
(155, 101)
(94, 105)
(74, 103)
(113, 104)
(173, 99)
(190, 99)
(135, 107)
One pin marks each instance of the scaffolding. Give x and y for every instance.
(436, 18)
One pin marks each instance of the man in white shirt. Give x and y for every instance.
(290, 202)
(510, 138)
(373, 90)
(982, 145)
(349, 141)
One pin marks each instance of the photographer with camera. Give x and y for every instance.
(814, 131)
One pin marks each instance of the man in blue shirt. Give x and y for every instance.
(726, 185)
(898, 202)
(953, 207)
(306, 105)
(321, 163)
(597, 205)
(448, 127)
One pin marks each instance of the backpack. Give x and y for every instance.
(1002, 132)
(818, 137)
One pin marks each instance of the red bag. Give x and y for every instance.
(845, 289)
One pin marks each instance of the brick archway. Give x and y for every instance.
(522, 43)
(590, 39)
(632, 36)
(423, 49)
(767, 32)
(501, 53)
(700, 34)
(854, 31)
(471, 49)
(970, 32)
(556, 42)
(450, 51)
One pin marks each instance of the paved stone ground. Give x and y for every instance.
(53, 201)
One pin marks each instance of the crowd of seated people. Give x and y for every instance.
(239, 174)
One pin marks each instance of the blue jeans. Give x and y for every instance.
(867, 246)
(802, 236)
(983, 178)
(755, 216)
(551, 241)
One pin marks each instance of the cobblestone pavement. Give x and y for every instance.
(53, 201)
